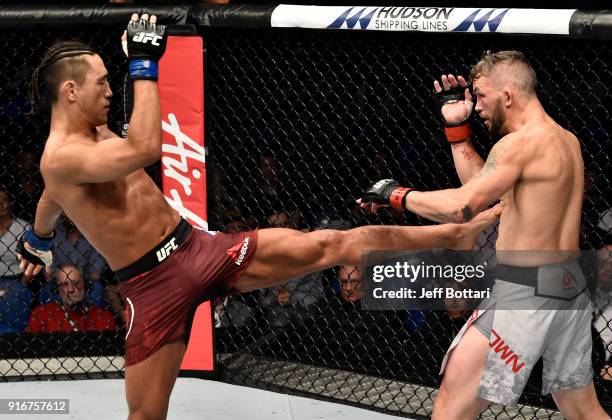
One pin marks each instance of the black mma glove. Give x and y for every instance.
(146, 43)
(457, 131)
(387, 192)
(36, 249)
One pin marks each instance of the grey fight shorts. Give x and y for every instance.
(534, 312)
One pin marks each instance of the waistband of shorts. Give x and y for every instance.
(157, 255)
(525, 276)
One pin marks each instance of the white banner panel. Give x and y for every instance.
(424, 19)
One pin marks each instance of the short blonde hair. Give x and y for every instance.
(520, 72)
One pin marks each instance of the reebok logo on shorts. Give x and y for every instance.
(238, 251)
(567, 281)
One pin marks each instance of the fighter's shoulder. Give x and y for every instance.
(105, 133)
(550, 138)
(62, 154)
(530, 140)
(569, 137)
(510, 147)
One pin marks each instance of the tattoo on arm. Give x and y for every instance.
(467, 213)
(467, 154)
(491, 163)
(462, 214)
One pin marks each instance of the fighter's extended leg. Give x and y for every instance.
(148, 384)
(285, 253)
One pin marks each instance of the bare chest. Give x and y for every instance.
(118, 193)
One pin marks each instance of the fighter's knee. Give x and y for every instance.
(147, 411)
(441, 404)
(451, 383)
(588, 411)
(331, 239)
(581, 404)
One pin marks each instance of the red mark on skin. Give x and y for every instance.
(467, 154)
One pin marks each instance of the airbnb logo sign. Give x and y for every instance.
(181, 92)
(183, 164)
(181, 85)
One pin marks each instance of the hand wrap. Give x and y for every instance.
(36, 249)
(458, 131)
(146, 43)
(387, 192)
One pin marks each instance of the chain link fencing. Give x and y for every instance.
(299, 123)
(66, 322)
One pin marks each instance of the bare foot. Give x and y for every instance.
(471, 230)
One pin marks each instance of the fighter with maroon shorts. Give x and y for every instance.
(163, 264)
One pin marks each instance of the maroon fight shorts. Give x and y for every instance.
(161, 289)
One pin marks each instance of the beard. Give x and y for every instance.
(497, 120)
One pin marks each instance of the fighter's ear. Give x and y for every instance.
(68, 90)
(507, 97)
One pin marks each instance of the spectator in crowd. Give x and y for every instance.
(71, 248)
(603, 318)
(351, 290)
(268, 169)
(233, 311)
(603, 296)
(72, 313)
(379, 167)
(457, 307)
(333, 222)
(224, 197)
(292, 300)
(275, 195)
(349, 279)
(280, 219)
(30, 182)
(111, 293)
(233, 222)
(15, 297)
(14, 104)
(604, 226)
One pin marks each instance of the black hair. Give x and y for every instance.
(60, 61)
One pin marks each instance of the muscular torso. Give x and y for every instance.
(123, 219)
(542, 211)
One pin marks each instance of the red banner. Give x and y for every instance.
(181, 87)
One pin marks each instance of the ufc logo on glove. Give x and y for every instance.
(143, 38)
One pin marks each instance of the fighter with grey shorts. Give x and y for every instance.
(534, 312)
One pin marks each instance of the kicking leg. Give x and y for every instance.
(148, 384)
(285, 253)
